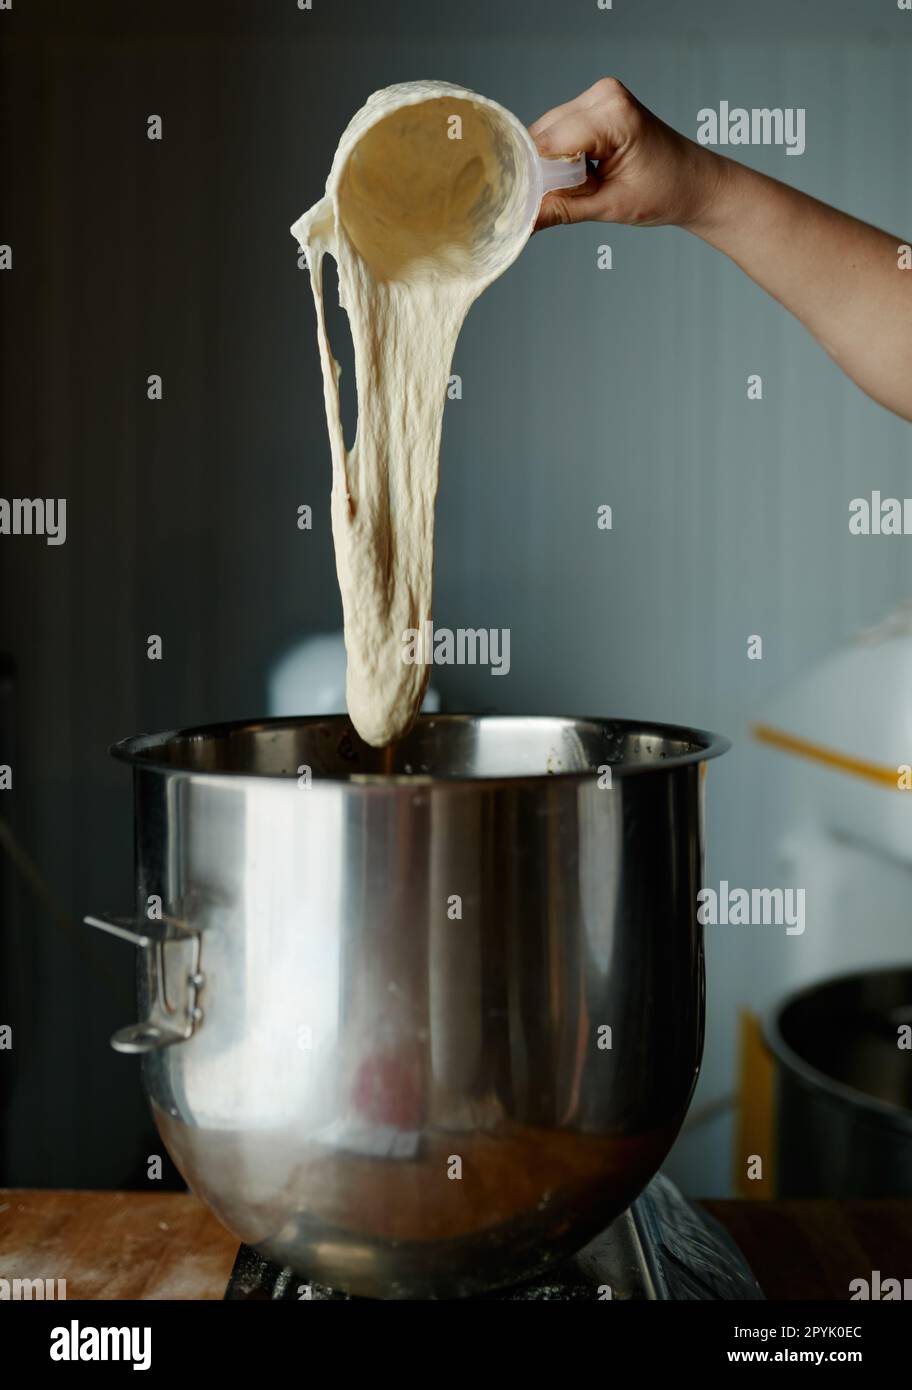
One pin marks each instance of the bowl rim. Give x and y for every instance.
(811, 1077)
(139, 751)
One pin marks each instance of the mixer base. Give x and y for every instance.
(663, 1248)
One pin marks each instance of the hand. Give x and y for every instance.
(647, 174)
(841, 277)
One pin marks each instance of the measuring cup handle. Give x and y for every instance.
(561, 173)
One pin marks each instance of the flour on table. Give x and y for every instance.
(424, 207)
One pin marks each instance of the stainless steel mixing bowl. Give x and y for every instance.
(844, 1087)
(418, 1021)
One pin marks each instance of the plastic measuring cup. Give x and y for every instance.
(398, 161)
(548, 175)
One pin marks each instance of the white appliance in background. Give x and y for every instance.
(837, 744)
(310, 679)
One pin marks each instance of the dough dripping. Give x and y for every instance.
(427, 202)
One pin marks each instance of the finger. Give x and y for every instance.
(576, 132)
(555, 114)
(567, 206)
(596, 95)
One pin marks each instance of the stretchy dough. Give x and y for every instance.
(426, 203)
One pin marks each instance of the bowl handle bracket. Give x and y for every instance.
(174, 1011)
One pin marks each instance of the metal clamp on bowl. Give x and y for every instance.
(173, 1011)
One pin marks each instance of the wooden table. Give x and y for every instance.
(115, 1244)
(815, 1249)
(167, 1245)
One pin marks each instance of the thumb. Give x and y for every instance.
(568, 205)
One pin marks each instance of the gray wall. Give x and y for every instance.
(580, 387)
